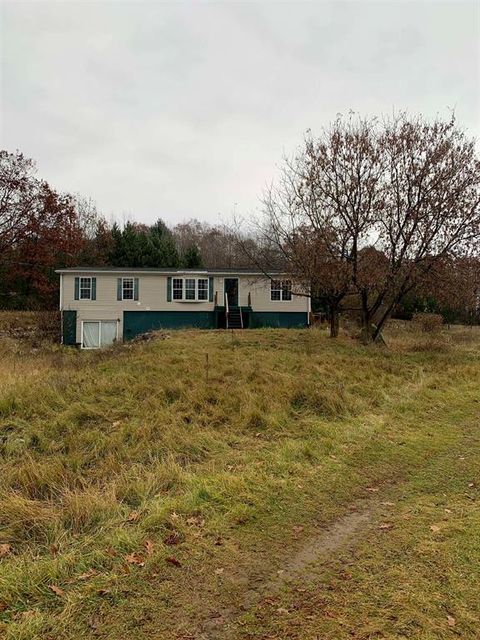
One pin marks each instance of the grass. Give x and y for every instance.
(146, 491)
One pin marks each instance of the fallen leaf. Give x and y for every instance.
(56, 590)
(5, 549)
(218, 572)
(116, 424)
(110, 551)
(175, 516)
(388, 504)
(3, 606)
(149, 547)
(448, 511)
(451, 621)
(88, 574)
(372, 489)
(104, 592)
(297, 529)
(135, 558)
(173, 539)
(133, 516)
(196, 521)
(471, 484)
(282, 610)
(173, 561)
(435, 528)
(385, 526)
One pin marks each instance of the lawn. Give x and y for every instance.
(264, 484)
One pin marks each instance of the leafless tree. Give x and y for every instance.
(369, 206)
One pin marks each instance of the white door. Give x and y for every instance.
(108, 333)
(91, 335)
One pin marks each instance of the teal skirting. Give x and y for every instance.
(136, 322)
(278, 319)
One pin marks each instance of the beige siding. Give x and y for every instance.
(153, 297)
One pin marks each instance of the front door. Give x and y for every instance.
(231, 289)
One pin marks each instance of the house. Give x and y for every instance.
(102, 305)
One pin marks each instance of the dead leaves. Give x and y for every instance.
(133, 516)
(88, 574)
(435, 528)
(5, 550)
(149, 547)
(136, 559)
(56, 590)
(385, 526)
(173, 538)
(451, 621)
(174, 561)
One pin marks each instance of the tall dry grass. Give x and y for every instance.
(88, 439)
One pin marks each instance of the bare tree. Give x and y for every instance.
(369, 206)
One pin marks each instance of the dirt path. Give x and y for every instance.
(303, 564)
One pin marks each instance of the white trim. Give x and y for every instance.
(226, 274)
(132, 299)
(117, 323)
(280, 290)
(196, 278)
(80, 287)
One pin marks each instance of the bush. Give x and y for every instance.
(427, 322)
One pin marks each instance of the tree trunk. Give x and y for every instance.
(366, 332)
(334, 320)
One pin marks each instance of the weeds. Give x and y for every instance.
(102, 452)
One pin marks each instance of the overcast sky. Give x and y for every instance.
(181, 110)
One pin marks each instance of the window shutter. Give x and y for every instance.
(77, 288)
(169, 289)
(210, 289)
(94, 288)
(135, 288)
(119, 288)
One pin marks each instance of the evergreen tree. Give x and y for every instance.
(192, 258)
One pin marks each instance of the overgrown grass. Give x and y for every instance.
(196, 466)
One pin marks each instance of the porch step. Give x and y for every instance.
(234, 320)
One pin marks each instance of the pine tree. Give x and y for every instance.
(192, 258)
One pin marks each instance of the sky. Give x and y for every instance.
(184, 110)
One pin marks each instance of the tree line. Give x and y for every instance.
(379, 217)
(42, 229)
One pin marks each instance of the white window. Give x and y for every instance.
(127, 288)
(85, 289)
(190, 289)
(98, 333)
(178, 288)
(202, 292)
(280, 290)
(286, 290)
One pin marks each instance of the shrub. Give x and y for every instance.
(427, 322)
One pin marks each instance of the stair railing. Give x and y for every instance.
(226, 309)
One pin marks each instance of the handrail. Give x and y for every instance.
(226, 309)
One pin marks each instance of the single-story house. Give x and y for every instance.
(105, 304)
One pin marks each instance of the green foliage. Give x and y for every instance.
(192, 258)
(139, 246)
